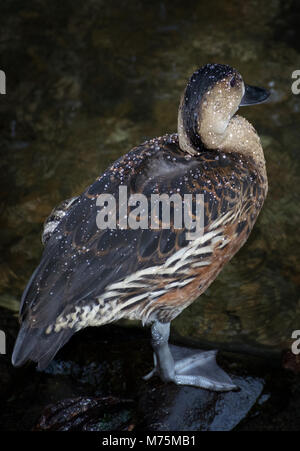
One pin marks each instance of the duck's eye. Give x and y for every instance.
(233, 82)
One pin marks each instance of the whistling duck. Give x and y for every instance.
(89, 276)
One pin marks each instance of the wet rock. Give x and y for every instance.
(86, 414)
(95, 383)
(172, 408)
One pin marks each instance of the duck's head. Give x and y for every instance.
(212, 96)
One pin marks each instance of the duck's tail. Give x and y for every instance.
(34, 344)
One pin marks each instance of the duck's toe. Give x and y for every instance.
(197, 369)
(200, 369)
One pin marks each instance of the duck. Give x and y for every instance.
(91, 276)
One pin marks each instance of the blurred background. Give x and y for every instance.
(87, 81)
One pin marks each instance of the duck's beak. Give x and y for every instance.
(254, 95)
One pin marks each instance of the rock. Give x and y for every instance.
(86, 414)
(173, 408)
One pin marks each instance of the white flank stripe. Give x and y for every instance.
(179, 284)
(216, 239)
(123, 284)
(175, 257)
(223, 244)
(157, 293)
(222, 220)
(204, 250)
(204, 263)
(109, 294)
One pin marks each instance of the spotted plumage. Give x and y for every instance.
(89, 277)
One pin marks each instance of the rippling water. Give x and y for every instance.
(86, 81)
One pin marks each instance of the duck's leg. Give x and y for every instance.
(184, 366)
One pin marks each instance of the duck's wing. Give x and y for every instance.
(56, 215)
(89, 276)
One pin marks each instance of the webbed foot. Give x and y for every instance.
(185, 366)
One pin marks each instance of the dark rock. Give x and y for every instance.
(86, 414)
(172, 408)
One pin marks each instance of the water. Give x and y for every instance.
(88, 81)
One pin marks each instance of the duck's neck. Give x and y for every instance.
(236, 135)
(186, 143)
(241, 137)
